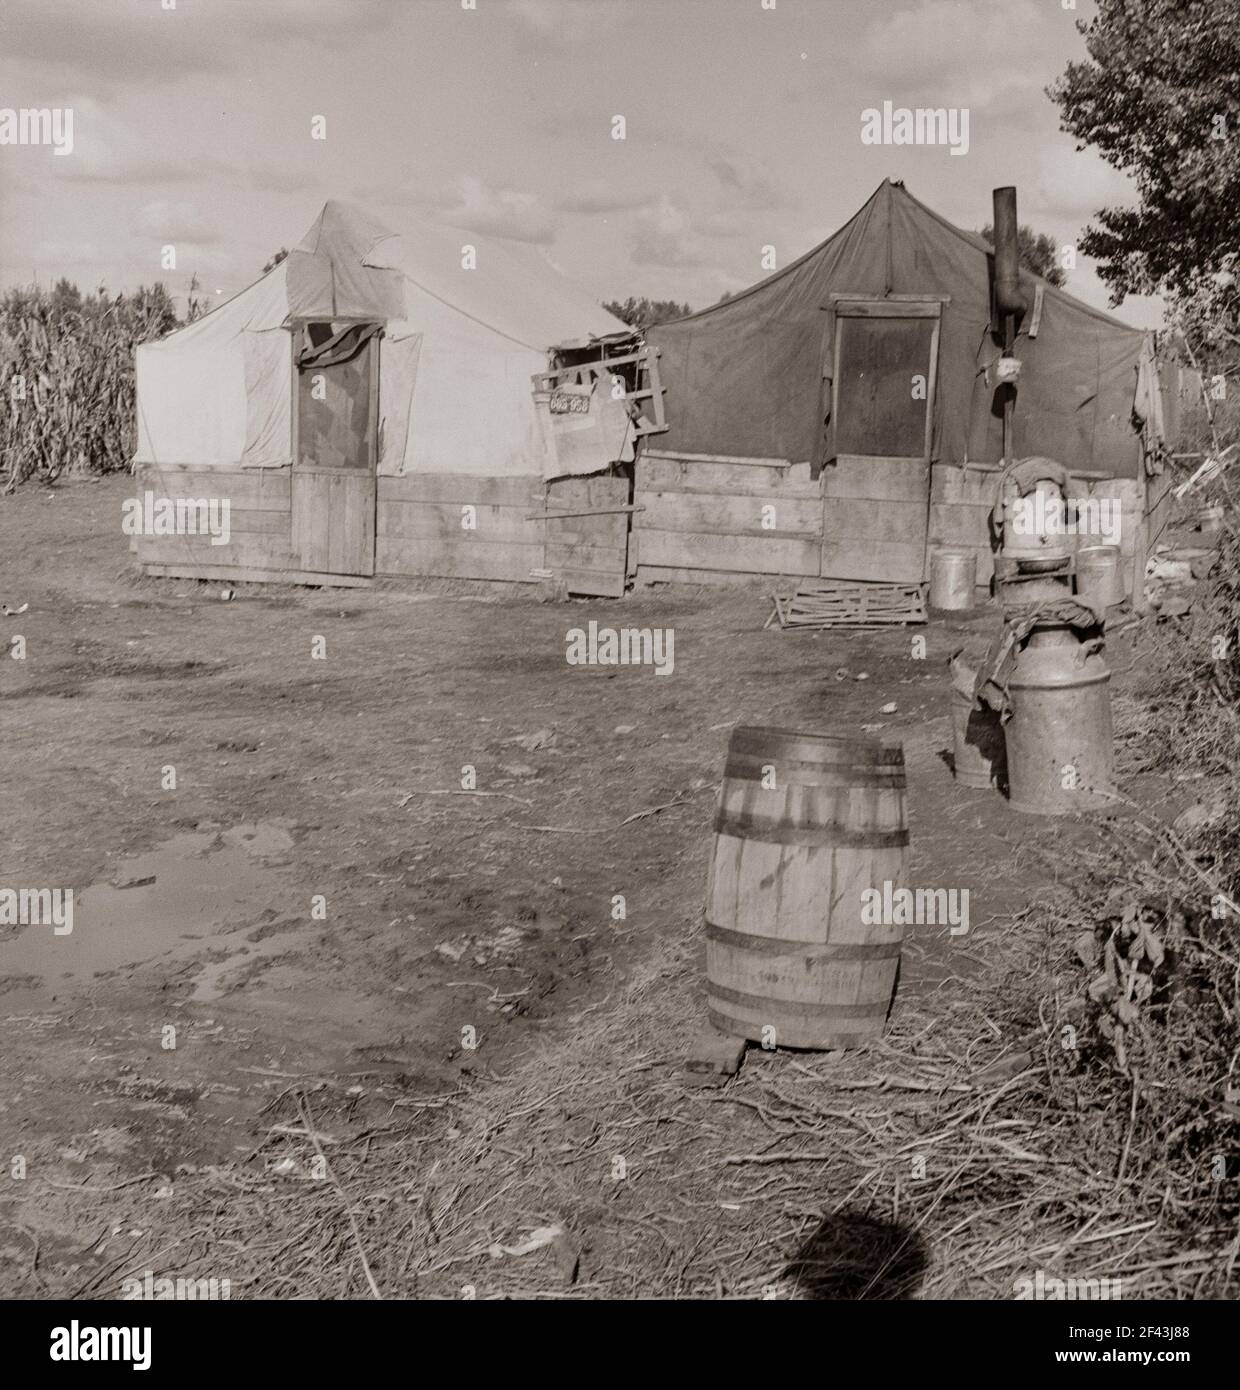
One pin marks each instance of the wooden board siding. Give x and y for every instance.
(421, 527)
(334, 521)
(704, 516)
(961, 500)
(248, 489)
(420, 530)
(589, 553)
(241, 574)
(260, 520)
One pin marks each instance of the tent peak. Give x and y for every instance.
(344, 224)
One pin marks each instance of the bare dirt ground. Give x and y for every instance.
(298, 778)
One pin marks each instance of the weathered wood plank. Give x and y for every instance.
(443, 521)
(887, 563)
(589, 554)
(253, 549)
(952, 522)
(524, 490)
(724, 579)
(974, 487)
(680, 549)
(248, 574)
(794, 518)
(727, 479)
(425, 556)
(246, 491)
(679, 456)
(558, 555)
(269, 523)
(606, 491)
(877, 479)
(852, 518)
(597, 583)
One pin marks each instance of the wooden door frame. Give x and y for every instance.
(858, 306)
(297, 329)
(839, 469)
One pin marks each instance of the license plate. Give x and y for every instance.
(569, 403)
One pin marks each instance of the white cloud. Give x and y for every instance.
(748, 188)
(599, 196)
(942, 53)
(473, 204)
(1074, 185)
(137, 42)
(503, 212)
(664, 235)
(173, 222)
(552, 21)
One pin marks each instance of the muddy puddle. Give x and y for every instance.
(199, 893)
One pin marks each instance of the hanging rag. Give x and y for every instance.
(340, 347)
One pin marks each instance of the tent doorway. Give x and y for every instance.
(335, 446)
(876, 477)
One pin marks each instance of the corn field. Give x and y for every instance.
(67, 367)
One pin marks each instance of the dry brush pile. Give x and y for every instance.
(1159, 947)
(67, 365)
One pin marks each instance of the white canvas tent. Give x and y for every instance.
(466, 322)
(464, 341)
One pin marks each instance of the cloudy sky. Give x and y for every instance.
(193, 127)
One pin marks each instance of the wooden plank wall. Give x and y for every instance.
(703, 521)
(961, 500)
(419, 527)
(260, 519)
(707, 519)
(589, 554)
(423, 530)
(455, 526)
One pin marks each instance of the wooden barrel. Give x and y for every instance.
(805, 824)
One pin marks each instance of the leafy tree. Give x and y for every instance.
(1159, 99)
(1036, 250)
(644, 313)
(65, 296)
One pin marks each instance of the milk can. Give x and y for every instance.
(1060, 753)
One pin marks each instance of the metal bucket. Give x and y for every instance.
(1098, 575)
(977, 735)
(953, 577)
(1060, 753)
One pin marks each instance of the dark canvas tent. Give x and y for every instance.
(789, 376)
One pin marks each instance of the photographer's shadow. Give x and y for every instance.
(851, 1257)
